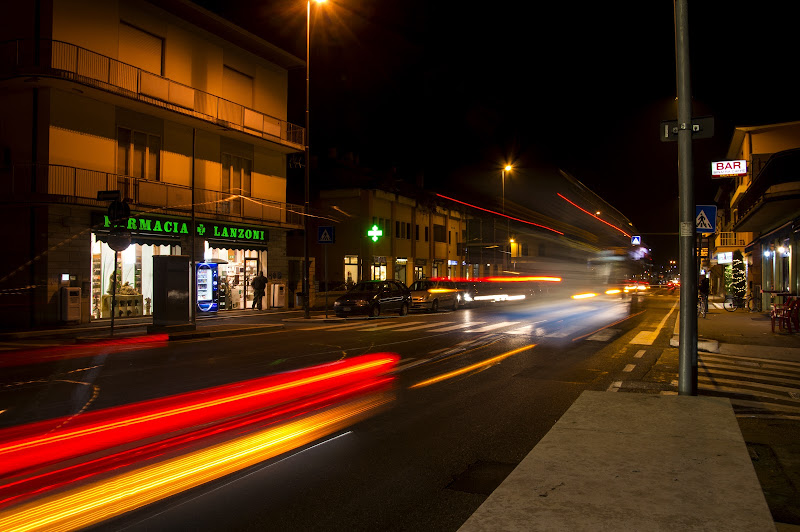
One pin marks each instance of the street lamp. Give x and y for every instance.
(507, 168)
(306, 287)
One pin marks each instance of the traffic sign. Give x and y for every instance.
(636, 240)
(326, 235)
(705, 218)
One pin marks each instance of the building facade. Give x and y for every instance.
(180, 111)
(760, 211)
(410, 240)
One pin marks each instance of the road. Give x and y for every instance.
(473, 392)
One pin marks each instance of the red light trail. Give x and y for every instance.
(593, 215)
(499, 214)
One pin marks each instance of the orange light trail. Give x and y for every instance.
(500, 214)
(473, 367)
(592, 214)
(87, 505)
(37, 443)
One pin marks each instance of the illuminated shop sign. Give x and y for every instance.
(154, 225)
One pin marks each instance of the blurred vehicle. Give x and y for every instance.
(374, 297)
(469, 291)
(430, 294)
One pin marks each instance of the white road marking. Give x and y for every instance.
(493, 326)
(639, 354)
(615, 386)
(629, 368)
(427, 326)
(527, 329)
(460, 326)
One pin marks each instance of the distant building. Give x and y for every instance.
(166, 103)
(760, 211)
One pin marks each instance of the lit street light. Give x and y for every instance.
(306, 287)
(507, 168)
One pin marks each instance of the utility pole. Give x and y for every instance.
(687, 351)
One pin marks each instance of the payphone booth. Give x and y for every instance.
(207, 287)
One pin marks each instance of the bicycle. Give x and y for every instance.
(754, 303)
(733, 302)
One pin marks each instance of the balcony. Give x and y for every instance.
(66, 184)
(773, 198)
(29, 57)
(730, 240)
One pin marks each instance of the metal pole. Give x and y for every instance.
(325, 247)
(193, 273)
(687, 352)
(114, 291)
(306, 311)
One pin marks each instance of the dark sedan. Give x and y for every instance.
(374, 297)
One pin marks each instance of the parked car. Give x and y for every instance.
(430, 294)
(373, 298)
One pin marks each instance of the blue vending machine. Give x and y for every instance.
(207, 287)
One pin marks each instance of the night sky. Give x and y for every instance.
(453, 91)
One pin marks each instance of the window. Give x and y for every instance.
(426, 234)
(236, 181)
(397, 229)
(416, 232)
(439, 233)
(141, 49)
(138, 154)
(408, 231)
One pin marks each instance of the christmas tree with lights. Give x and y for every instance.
(738, 276)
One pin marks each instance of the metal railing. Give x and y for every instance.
(730, 240)
(67, 184)
(31, 57)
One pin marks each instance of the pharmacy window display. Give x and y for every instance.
(134, 287)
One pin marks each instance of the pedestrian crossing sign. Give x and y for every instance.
(705, 219)
(636, 240)
(326, 235)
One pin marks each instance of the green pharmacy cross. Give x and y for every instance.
(375, 233)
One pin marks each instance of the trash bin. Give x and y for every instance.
(298, 299)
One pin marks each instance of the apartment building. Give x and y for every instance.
(760, 211)
(182, 112)
(385, 235)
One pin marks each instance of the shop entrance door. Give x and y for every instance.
(251, 269)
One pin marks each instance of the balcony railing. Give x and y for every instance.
(66, 184)
(730, 240)
(30, 57)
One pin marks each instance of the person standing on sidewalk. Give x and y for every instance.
(259, 283)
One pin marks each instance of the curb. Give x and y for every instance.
(703, 344)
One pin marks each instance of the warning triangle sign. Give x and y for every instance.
(325, 236)
(702, 221)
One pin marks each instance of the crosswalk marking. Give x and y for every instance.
(382, 327)
(427, 326)
(459, 326)
(494, 326)
(526, 329)
(604, 335)
(755, 386)
(757, 374)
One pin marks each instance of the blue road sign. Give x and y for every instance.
(636, 240)
(326, 235)
(705, 218)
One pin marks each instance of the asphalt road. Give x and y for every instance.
(505, 375)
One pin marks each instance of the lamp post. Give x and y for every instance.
(506, 168)
(306, 287)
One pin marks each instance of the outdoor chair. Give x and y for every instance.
(786, 315)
